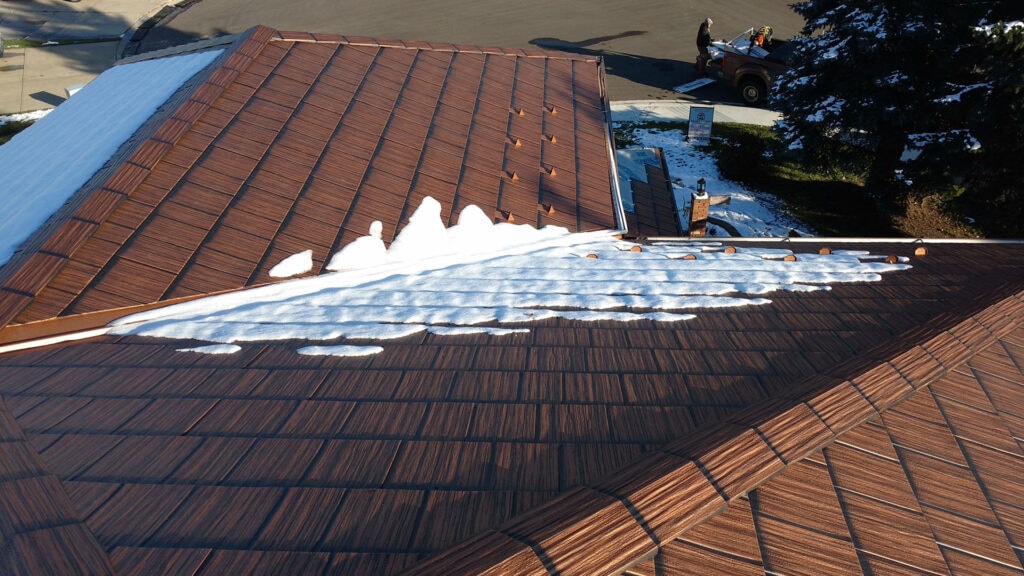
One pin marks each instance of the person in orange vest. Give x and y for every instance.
(761, 37)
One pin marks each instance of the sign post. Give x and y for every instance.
(701, 118)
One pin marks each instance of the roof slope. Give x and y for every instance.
(943, 466)
(294, 141)
(578, 446)
(805, 435)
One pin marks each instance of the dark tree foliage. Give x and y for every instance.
(994, 171)
(940, 78)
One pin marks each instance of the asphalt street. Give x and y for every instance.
(648, 46)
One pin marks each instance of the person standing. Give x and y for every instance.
(703, 41)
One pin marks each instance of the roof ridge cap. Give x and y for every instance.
(670, 490)
(179, 49)
(410, 44)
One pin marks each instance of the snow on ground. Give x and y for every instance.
(43, 165)
(458, 280)
(24, 117)
(749, 212)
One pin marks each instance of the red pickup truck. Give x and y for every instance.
(749, 67)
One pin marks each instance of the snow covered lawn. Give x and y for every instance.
(751, 213)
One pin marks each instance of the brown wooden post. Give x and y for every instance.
(700, 201)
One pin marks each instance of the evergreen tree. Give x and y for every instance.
(994, 171)
(893, 74)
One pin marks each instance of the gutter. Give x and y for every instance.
(619, 207)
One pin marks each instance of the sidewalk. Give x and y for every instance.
(676, 110)
(85, 36)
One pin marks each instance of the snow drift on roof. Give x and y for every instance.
(477, 273)
(44, 165)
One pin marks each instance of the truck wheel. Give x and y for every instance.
(752, 90)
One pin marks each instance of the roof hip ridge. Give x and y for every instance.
(51, 538)
(672, 489)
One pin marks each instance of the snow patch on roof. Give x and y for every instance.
(521, 275)
(293, 265)
(45, 164)
(343, 350)
(213, 349)
(468, 330)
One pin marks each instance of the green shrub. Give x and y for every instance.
(742, 159)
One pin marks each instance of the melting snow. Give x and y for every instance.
(989, 29)
(478, 273)
(24, 116)
(293, 265)
(831, 106)
(213, 349)
(464, 330)
(342, 350)
(833, 52)
(956, 96)
(364, 252)
(750, 213)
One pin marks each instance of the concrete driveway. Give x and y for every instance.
(648, 46)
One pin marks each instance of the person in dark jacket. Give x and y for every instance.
(703, 41)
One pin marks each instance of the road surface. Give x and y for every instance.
(648, 46)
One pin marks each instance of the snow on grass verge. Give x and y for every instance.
(750, 214)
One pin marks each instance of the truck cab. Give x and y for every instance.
(749, 67)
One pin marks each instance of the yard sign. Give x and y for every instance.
(700, 125)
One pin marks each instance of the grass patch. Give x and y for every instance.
(830, 199)
(832, 206)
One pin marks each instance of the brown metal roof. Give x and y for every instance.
(864, 427)
(869, 428)
(294, 141)
(931, 485)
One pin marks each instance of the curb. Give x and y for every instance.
(132, 38)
